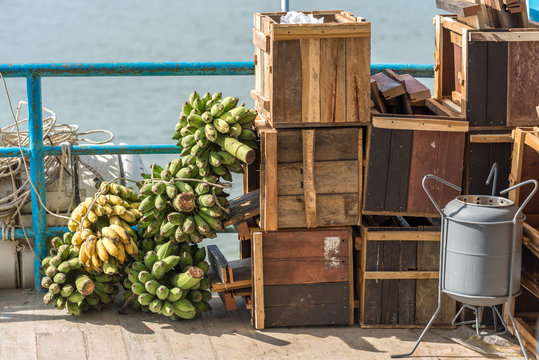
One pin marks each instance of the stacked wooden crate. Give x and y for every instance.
(312, 94)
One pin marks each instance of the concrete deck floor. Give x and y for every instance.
(31, 330)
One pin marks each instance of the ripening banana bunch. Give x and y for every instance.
(216, 135)
(102, 228)
(69, 286)
(180, 210)
(170, 281)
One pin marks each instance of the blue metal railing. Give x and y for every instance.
(36, 151)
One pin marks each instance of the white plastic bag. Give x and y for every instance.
(294, 17)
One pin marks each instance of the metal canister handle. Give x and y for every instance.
(445, 182)
(521, 208)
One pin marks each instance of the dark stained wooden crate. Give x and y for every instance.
(308, 177)
(397, 275)
(401, 151)
(312, 74)
(491, 75)
(302, 277)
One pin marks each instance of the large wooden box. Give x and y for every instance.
(308, 177)
(401, 151)
(312, 74)
(397, 274)
(302, 277)
(491, 74)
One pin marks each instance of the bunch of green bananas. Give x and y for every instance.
(69, 285)
(216, 135)
(102, 228)
(186, 210)
(170, 281)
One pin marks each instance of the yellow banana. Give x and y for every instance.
(85, 233)
(111, 234)
(121, 253)
(128, 228)
(89, 245)
(134, 205)
(128, 216)
(86, 224)
(111, 248)
(76, 239)
(136, 212)
(83, 256)
(101, 200)
(131, 248)
(98, 209)
(115, 220)
(108, 209)
(92, 216)
(96, 263)
(88, 202)
(79, 211)
(114, 200)
(118, 210)
(121, 233)
(87, 268)
(72, 225)
(115, 189)
(101, 251)
(104, 188)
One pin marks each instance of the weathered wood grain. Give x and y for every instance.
(286, 99)
(310, 81)
(496, 84)
(523, 92)
(333, 80)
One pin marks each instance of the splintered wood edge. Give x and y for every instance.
(419, 124)
(504, 36)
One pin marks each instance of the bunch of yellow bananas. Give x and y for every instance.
(102, 228)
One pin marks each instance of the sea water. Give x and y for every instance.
(141, 110)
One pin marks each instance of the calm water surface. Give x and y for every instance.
(145, 110)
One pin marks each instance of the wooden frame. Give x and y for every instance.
(418, 249)
(298, 186)
(312, 74)
(286, 294)
(401, 151)
(489, 75)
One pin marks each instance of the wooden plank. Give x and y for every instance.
(499, 18)
(310, 80)
(261, 40)
(243, 207)
(411, 235)
(358, 55)
(291, 181)
(372, 294)
(309, 193)
(307, 315)
(443, 60)
(422, 124)
(516, 163)
(449, 164)
(496, 84)
(325, 31)
(528, 336)
(306, 294)
(332, 144)
(401, 275)
(390, 287)
(377, 98)
(309, 244)
(388, 87)
(505, 36)
(406, 298)
(377, 168)
(258, 281)
(491, 138)
(476, 86)
(458, 7)
(523, 94)
(530, 170)
(439, 109)
(415, 88)
(286, 99)
(270, 181)
(450, 22)
(305, 271)
(332, 80)
(218, 262)
(398, 170)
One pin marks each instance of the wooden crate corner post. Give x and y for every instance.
(258, 281)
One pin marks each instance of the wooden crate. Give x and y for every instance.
(397, 275)
(484, 148)
(302, 277)
(312, 74)
(490, 74)
(308, 177)
(401, 151)
(525, 166)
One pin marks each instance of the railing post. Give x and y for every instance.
(37, 171)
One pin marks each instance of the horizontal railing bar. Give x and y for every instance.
(60, 230)
(171, 69)
(96, 150)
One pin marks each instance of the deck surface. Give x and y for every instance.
(31, 330)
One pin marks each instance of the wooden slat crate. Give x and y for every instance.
(400, 152)
(302, 277)
(525, 166)
(490, 74)
(309, 177)
(312, 74)
(397, 274)
(484, 148)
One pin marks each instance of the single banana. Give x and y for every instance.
(92, 216)
(121, 233)
(128, 216)
(76, 239)
(111, 234)
(96, 263)
(118, 210)
(89, 245)
(101, 200)
(101, 251)
(121, 253)
(83, 256)
(110, 246)
(114, 200)
(85, 233)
